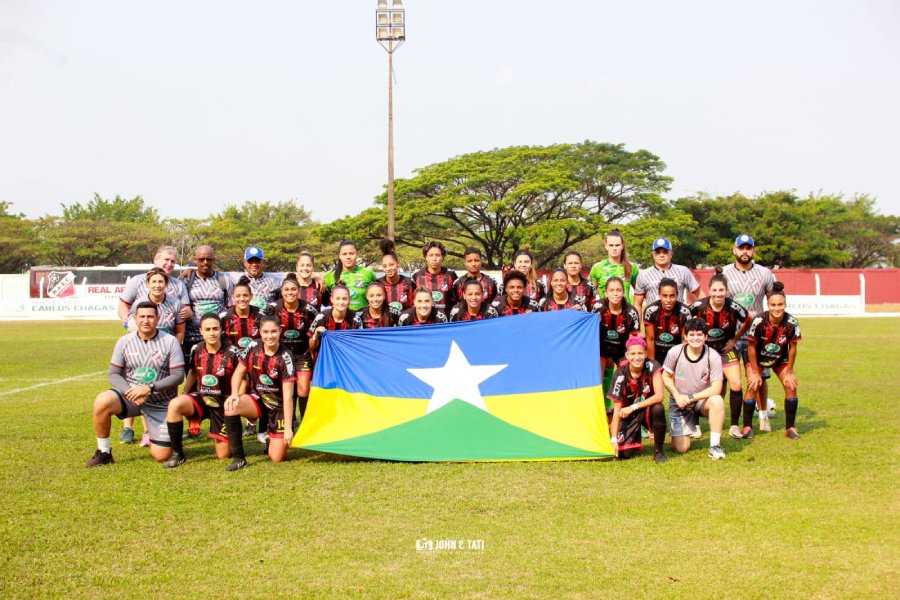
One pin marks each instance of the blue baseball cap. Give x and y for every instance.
(253, 252)
(744, 240)
(662, 243)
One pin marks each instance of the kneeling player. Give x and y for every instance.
(145, 370)
(693, 376)
(211, 367)
(637, 392)
(270, 368)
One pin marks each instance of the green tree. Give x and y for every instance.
(17, 246)
(119, 210)
(548, 198)
(80, 243)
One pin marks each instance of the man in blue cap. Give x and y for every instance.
(265, 286)
(748, 284)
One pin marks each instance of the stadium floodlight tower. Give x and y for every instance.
(390, 32)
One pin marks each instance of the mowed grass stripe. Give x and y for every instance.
(818, 517)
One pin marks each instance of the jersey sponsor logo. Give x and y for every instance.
(716, 332)
(206, 307)
(209, 380)
(403, 298)
(666, 337)
(745, 299)
(265, 379)
(244, 342)
(437, 296)
(612, 335)
(396, 305)
(773, 348)
(259, 302)
(291, 334)
(145, 375)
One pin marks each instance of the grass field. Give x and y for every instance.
(812, 518)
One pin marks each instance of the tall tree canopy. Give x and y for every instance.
(545, 197)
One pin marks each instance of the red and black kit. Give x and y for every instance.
(501, 305)
(548, 303)
(440, 285)
(240, 331)
(398, 296)
(722, 324)
(312, 295)
(267, 374)
(213, 372)
(772, 341)
(326, 320)
(615, 329)
(488, 287)
(409, 318)
(667, 328)
(295, 325)
(626, 390)
(535, 290)
(583, 292)
(365, 320)
(460, 312)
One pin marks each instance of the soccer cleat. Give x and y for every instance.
(735, 432)
(791, 434)
(127, 436)
(262, 438)
(238, 463)
(100, 458)
(716, 452)
(176, 460)
(764, 424)
(747, 433)
(193, 428)
(250, 429)
(698, 433)
(659, 458)
(145, 440)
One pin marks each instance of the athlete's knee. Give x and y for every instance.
(715, 402)
(107, 402)
(160, 453)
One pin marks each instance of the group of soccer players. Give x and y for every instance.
(247, 341)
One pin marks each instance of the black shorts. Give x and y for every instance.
(275, 417)
(303, 364)
(204, 409)
(629, 437)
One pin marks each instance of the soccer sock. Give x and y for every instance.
(715, 439)
(176, 431)
(103, 445)
(735, 401)
(749, 407)
(235, 436)
(658, 423)
(790, 412)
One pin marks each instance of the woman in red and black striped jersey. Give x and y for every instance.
(423, 311)
(727, 322)
(513, 300)
(398, 288)
(241, 320)
(473, 306)
(376, 314)
(269, 367)
(296, 317)
(664, 321)
(436, 278)
(772, 342)
(211, 366)
(473, 260)
(561, 295)
(336, 318)
(618, 321)
(583, 289)
(523, 262)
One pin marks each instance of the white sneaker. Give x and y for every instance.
(716, 452)
(261, 438)
(735, 432)
(764, 424)
(698, 433)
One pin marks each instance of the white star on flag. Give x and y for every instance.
(456, 380)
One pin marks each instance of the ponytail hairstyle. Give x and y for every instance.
(269, 318)
(606, 289)
(244, 281)
(290, 278)
(388, 248)
(471, 281)
(777, 290)
(214, 316)
(667, 282)
(719, 277)
(340, 267)
(626, 264)
(531, 275)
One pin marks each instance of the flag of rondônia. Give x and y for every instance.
(513, 388)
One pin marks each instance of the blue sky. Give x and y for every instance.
(199, 104)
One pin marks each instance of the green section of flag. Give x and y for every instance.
(456, 431)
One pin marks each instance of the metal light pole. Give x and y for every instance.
(390, 32)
